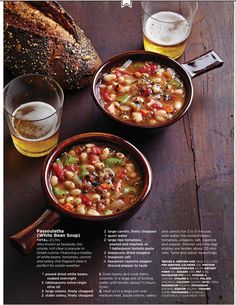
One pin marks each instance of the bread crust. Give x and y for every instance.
(68, 56)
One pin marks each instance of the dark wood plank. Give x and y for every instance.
(211, 124)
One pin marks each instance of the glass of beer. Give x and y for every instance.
(167, 25)
(33, 107)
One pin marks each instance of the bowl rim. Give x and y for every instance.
(120, 56)
(103, 137)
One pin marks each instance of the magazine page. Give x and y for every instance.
(118, 152)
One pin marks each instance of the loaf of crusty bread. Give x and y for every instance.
(41, 37)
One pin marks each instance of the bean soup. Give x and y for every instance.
(96, 179)
(143, 93)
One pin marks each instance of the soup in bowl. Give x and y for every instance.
(148, 90)
(96, 176)
(96, 179)
(142, 92)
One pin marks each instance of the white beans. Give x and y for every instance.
(107, 194)
(89, 145)
(92, 212)
(178, 105)
(69, 174)
(69, 199)
(161, 113)
(76, 179)
(77, 201)
(96, 197)
(160, 118)
(138, 99)
(54, 181)
(105, 153)
(90, 168)
(107, 172)
(169, 116)
(75, 192)
(152, 122)
(120, 155)
(128, 81)
(121, 79)
(109, 77)
(84, 156)
(62, 201)
(156, 88)
(99, 165)
(80, 209)
(69, 185)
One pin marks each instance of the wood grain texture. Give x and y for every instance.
(211, 126)
(191, 160)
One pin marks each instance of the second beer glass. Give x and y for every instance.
(33, 106)
(167, 25)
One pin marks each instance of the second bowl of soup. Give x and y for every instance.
(148, 90)
(95, 178)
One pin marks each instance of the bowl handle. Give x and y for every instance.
(25, 240)
(206, 62)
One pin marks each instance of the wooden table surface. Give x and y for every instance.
(191, 160)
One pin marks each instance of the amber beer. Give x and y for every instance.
(166, 33)
(35, 132)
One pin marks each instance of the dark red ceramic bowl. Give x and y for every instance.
(27, 238)
(186, 71)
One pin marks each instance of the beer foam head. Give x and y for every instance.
(35, 120)
(166, 28)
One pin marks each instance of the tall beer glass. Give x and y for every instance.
(167, 25)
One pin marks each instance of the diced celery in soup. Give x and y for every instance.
(142, 93)
(96, 179)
